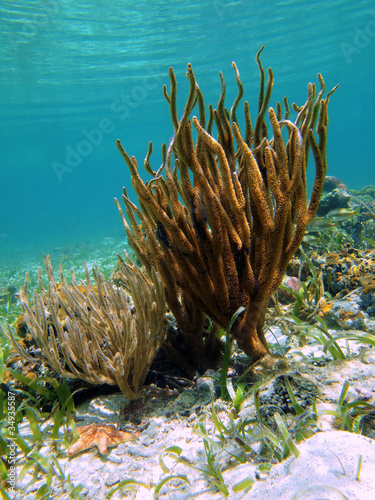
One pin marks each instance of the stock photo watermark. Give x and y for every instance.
(221, 9)
(362, 38)
(11, 452)
(121, 108)
(35, 22)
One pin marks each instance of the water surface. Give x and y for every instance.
(75, 76)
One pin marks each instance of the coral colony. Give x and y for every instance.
(215, 229)
(222, 218)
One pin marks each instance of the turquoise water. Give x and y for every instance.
(75, 76)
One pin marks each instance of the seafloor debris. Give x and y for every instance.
(277, 398)
(347, 270)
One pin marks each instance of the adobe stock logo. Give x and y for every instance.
(121, 109)
(74, 156)
(35, 22)
(361, 40)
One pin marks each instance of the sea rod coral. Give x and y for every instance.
(223, 216)
(99, 333)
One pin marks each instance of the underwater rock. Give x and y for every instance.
(331, 182)
(277, 399)
(338, 198)
(277, 338)
(335, 195)
(347, 270)
(367, 299)
(346, 314)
